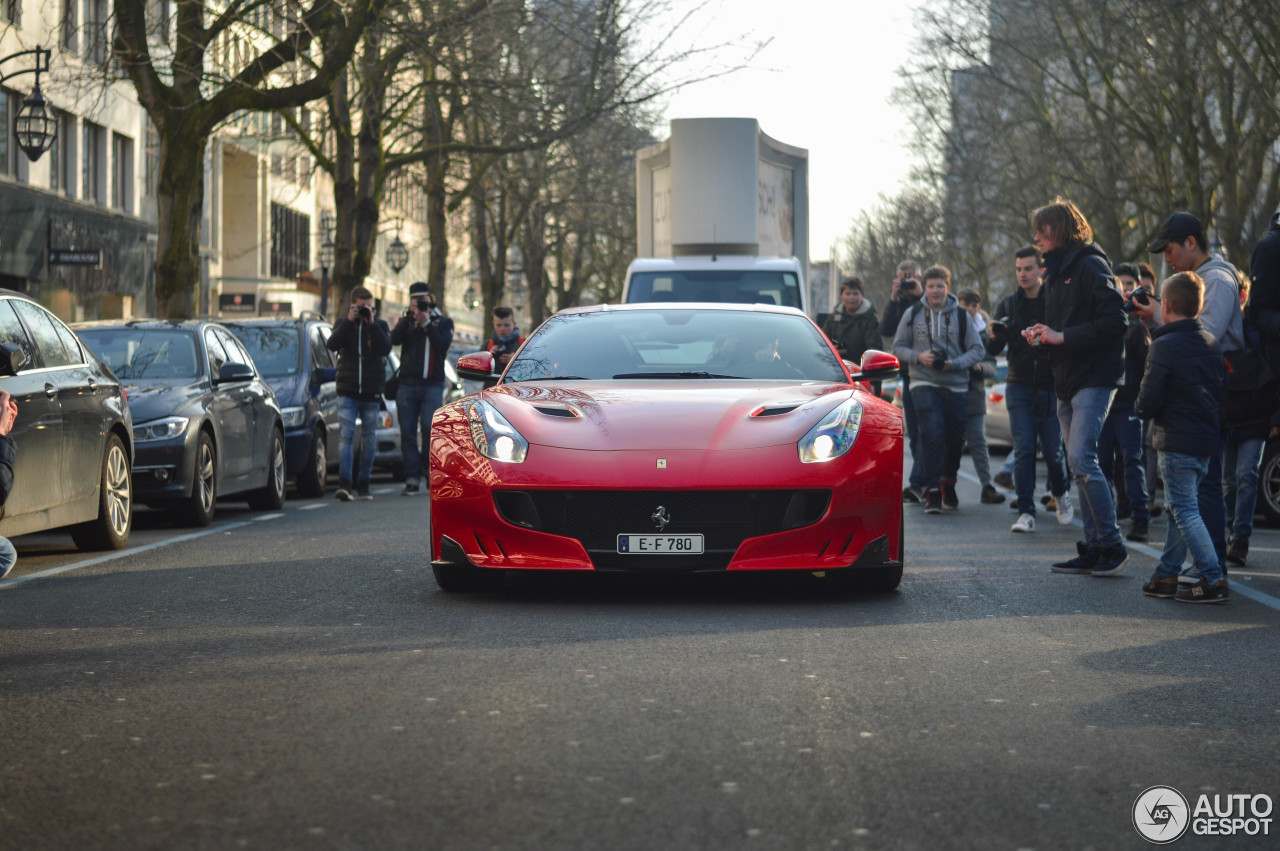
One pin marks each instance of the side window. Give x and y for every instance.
(11, 331)
(217, 355)
(40, 324)
(70, 342)
(320, 353)
(235, 351)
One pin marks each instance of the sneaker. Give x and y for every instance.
(362, 490)
(1203, 592)
(343, 493)
(1024, 523)
(990, 497)
(1161, 586)
(1004, 480)
(1110, 561)
(913, 495)
(410, 489)
(1063, 506)
(932, 501)
(949, 499)
(1137, 530)
(1083, 562)
(1238, 552)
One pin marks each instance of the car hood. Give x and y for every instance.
(664, 414)
(290, 390)
(149, 401)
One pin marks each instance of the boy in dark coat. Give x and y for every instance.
(1181, 393)
(853, 326)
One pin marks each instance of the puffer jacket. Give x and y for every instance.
(361, 349)
(1182, 389)
(853, 335)
(1083, 302)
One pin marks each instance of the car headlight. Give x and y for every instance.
(834, 435)
(293, 417)
(160, 429)
(493, 436)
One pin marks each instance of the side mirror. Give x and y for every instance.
(877, 366)
(323, 374)
(476, 367)
(12, 358)
(234, 372)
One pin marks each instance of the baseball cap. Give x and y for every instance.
(419, 288)
(1179, 226)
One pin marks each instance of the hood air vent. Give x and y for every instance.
(557, 411)
(777, 409)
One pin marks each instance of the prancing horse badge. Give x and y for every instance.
(662, 463)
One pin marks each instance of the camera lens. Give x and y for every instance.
(423, 304)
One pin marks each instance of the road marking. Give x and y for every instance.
(1236, 587)
(127, 552)
(266, 517)
(313, 506)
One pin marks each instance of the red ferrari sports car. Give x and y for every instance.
(670, 437)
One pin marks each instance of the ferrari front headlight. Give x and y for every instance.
(834, 435)
(494, 437)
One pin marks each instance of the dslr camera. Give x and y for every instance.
(364, 312)
(505, 348)
(939, 357)
(1139, 297)
(998, 331)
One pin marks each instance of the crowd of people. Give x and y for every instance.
(1121, 386)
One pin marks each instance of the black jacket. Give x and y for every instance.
(1028, 364)
(853, 335)
(8, 456)
(1263, 311)
(1137, 341)
(361, 348)
(1083, 302)
(414, 340)
(892, 318)
(1182, 388)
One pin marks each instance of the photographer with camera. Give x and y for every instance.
(905, 294)
(506, 339)
(940, 342)
(360, 339)
(424, 336)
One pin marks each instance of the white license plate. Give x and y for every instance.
(660, 544)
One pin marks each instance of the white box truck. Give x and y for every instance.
(722, 215)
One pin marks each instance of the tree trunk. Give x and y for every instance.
(344, 193)
(181, 202)
(534, 251)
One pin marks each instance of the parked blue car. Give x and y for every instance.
(290, 354)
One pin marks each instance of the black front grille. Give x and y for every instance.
(725, 518)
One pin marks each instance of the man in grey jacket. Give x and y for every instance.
(939, 341)
(1185, 248)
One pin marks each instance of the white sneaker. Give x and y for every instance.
(1065, 512)
(1025, 523)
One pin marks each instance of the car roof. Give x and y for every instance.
(275, 320)
(143, 324)
(704, 262)
(719, 306)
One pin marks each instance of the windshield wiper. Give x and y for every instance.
(555, 378)
(673, 375)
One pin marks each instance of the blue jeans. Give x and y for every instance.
(1123, 428)
(348, 411)
(1240, 464)
(1033, 413)
(1183, 475)
(1213, 506)
(916, 477)
(1081, 417)
(975, 435)
(8, 557)
(415, 403)
(941, 417)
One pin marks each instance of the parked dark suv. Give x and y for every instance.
(73, 432)
(205, 423)
(292, 357)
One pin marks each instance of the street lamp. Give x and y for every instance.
(35, 126)
(397, 251)
(326, 263)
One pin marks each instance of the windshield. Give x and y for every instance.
(741, 286)
(134, 353)
(676, 343)
(275, 348)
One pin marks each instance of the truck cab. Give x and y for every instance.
(724, 278)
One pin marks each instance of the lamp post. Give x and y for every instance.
(35, 126)
(397, 251)
(326, 263)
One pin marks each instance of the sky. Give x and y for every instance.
(823, 83)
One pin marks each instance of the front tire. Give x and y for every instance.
(270, 496)
(110, 530)
(197, 509)
(313, 478)
(1269, 483)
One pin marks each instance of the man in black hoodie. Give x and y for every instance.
(361, 341)
(1085, 324)
(1263, 311)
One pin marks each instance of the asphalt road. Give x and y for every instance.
(296, 680)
